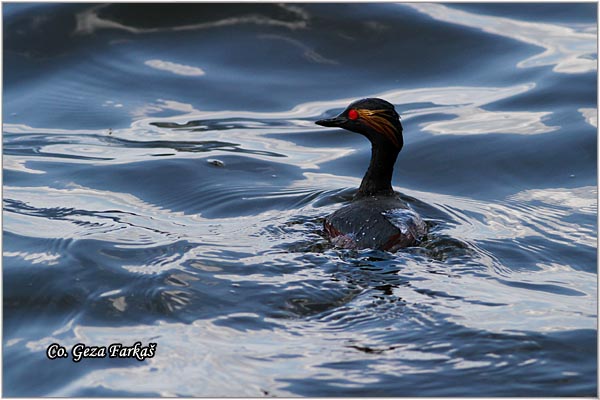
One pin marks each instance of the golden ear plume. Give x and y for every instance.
(381, 124)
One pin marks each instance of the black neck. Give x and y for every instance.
(378, 179)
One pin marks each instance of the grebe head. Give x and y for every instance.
(371, 117)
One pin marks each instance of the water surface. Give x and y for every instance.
(164, 181)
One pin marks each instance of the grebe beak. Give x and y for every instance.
(338, 121)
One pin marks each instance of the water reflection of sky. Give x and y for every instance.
(590, 115)
(544, 213)
(570, 50)
(175, 68)
(206, 344)
(464, 103)
(223, 264)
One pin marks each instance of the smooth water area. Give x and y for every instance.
(164, 182)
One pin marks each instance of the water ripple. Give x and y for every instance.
(570, 50)
(164, 182)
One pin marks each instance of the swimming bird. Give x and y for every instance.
(376, 218)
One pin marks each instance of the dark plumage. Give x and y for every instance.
(376, 218)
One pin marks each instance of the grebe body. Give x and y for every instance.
(376, 218)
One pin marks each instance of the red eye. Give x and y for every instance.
(353, 114)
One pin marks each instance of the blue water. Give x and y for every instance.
(164, 182)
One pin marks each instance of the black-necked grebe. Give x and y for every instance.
(376, 218)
